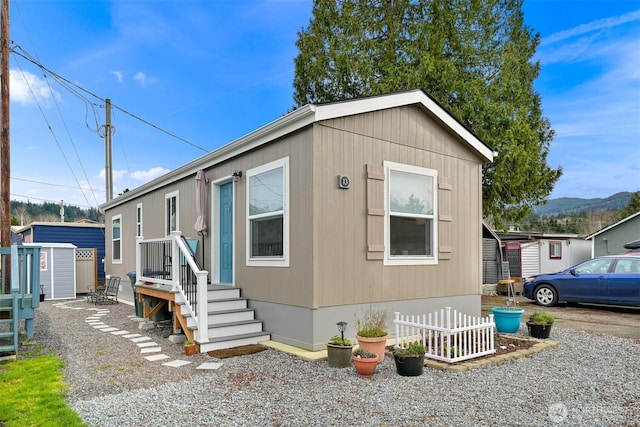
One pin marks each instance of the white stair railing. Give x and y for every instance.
(167, 270)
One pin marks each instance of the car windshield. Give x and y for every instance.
(598, 265)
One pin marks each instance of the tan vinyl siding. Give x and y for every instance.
(407, 135)
(286, 285)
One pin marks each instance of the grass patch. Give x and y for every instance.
(33, 394)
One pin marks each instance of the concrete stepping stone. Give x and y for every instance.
(210, 366)
(147, 344)
(176, 363)
(156, 357)
(151, 350)
(132, 336)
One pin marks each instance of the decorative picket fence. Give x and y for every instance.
(448, 336)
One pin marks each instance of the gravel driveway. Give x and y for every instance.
(589, 380)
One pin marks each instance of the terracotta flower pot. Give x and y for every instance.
(373, 345)
(190, 350)
(365, 367)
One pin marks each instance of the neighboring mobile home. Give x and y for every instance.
(611, 240)
(531, 253)
(327, 210)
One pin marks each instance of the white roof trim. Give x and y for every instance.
(612, 226)
(305, 116)
(52, 245)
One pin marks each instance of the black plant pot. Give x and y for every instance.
(409, 365)
(41, 297)
(539, 331)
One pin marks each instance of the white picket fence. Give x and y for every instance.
(448, 336)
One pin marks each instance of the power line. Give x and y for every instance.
(50, 201)
(54, 185)
(18, 50)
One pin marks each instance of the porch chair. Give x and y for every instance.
(110, 293)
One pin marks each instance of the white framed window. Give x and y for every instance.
(171, 219)
(116, 239)
(139, 230)
(411, 206)
(268, 214)
(555, 250)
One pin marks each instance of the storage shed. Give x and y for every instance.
(85, 235)
(57, 270)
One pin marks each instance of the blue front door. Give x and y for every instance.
(226, 233)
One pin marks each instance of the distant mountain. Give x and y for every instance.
(568, 205)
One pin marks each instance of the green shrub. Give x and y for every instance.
(373, 324)
(337, 340)
(542, 318)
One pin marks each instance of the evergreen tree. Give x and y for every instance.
(474, 57)
(632, 207)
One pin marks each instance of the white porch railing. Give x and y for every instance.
(448, 336)
(155, 264)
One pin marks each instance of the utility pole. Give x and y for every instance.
(108, 168)
(5, 152)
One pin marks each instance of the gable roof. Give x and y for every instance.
(308, 115)
(591, 236)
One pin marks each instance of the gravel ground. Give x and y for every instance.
(588, 380)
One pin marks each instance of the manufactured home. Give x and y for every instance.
(611, 240)
(530, 253)
(308, 221)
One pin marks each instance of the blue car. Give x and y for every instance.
(611, 280)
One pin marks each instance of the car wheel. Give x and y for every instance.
(546, 295)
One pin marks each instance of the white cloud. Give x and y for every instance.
(150, 174)
(590, 27)
(117, 174)
(140, 77)
(119, 75)
(27, 88)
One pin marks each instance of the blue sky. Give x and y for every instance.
(211, 71)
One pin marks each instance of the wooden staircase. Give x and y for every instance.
(9, 321)
(231, 322)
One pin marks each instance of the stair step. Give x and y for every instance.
(5, 321)
(234, 341)
(234, 328)
(6, 334)
(226, 304)
(225, 316)
(7, 348)
(215, 292)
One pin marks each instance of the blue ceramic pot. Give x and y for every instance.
(507, 319)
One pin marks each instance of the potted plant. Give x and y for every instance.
(339, 348)
(410, 359)
(539, 324)
(372, 333)
(190, 347)
(508, 317)
(365, 362)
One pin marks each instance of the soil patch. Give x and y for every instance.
(237, 351)
(504, 344)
